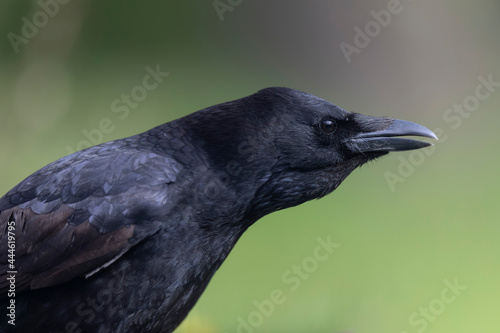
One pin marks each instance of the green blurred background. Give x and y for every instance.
(402, 242)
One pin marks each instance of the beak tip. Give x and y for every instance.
(433, 136)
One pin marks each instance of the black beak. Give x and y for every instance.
(385, 141)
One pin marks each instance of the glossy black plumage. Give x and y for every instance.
(125, 236)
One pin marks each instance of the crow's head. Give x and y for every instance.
(296, 146)
(310, 133)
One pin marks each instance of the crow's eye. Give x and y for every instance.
(328, 126)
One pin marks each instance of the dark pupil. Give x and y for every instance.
(328, 126)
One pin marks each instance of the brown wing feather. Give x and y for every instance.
(50, 251)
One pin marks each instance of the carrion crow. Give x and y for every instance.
(126, 235)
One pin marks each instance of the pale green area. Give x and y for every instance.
(397, 247)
